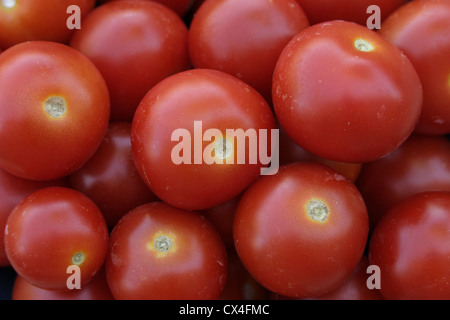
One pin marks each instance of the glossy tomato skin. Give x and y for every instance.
(110, 177)
(244, 38)
(96, 289)
(344, 93)
(13, 190)
(218, 101)
(52, 229)
(142, 42)
(410, 245)
(319, 11)
(420, 164)
(161, 252)
(301, 232)
(61, 110)
(44, 20)
(421, 29)
(181, 7)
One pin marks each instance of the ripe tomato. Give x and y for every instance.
(421, 29)
(420, 164)
(60, 114)
(44, 20)
(343, 92)
(161, 252)
(13, 190)
(411, 246)
(142, 42)
(181, 7)
(96, 289)
(171, 148)
(244, 38)
(301, 232)
(110, 177)
(351, 10)
(52, 229)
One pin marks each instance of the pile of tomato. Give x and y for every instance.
(225, 149)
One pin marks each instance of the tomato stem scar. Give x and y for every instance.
(223, 148)
(55, 107)
(363, 45)
(317, 210)
(78, 258)
(8, 3)
(163, 244)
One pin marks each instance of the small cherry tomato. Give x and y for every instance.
(52, 229)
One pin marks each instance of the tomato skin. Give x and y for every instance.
(341, 103)
(37, 143)
(194, 266)
(96, 289)
(13, 190)
(220, 101)
(421, 29)
(181, 7)
(110, 177)
(46, 230)
(142, 42)
(283, 247)
(319, 11)
(410, 245)
(420, 164)
(44, 20)
(244, 38)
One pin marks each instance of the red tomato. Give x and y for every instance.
(142, 42)
(13, 190)
(411, 247)
(244, 38)
(301, 232)
(30, 20)
(160, 252)
(351, 10)
(421, 29)
(344, 93)
(175, 156)
(52, 229)
(181, 7)
(110, 177)
(96, 289)
(61, 110)
(420, 164)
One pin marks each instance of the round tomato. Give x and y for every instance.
(301, 232)
(421, 29)
(52, 229)
(161, 252)
(96, 289)
(54, 110)
(351, 10)
(343, 92)
(110, 177)
(411, 246)
(200, 137)
(13, 190)
(134, 44)
(45, 20)
(244, 38)
(420, 164)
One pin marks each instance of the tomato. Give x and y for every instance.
(52, 229)
(110, 177)
(161, 252)
(13, 190)
(351, 10)
(45, 20)
(421, 29)
(180, 142)
(60, 114)
(343, 92)
(244, 38)
(300, 233)
(181, 7)
(142, 42)
(96, 289)
(411, 246)
(420, 164)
